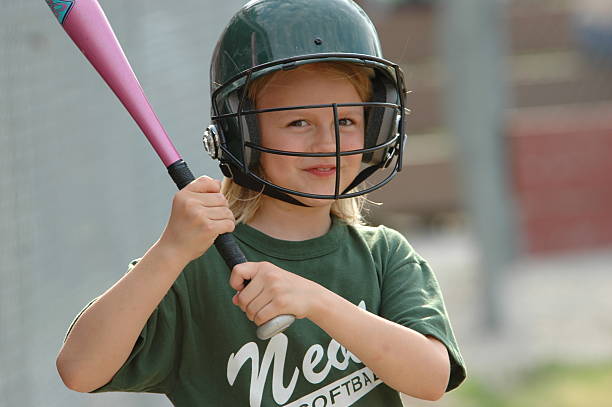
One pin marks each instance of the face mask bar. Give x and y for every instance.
(390, 147)
(388, 150)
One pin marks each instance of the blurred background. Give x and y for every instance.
(506, 188)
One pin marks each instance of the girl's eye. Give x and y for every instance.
(298, 123)
(345, 122)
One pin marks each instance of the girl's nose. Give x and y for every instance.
(325, 137)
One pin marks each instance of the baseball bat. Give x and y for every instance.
(86, 24)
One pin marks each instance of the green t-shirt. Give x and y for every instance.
(201, 350)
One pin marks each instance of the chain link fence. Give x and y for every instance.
(81, 191)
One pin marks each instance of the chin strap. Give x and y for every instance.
(232, 171)
(362, 176)
(244, 180)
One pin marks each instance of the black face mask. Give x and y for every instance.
(234, 137)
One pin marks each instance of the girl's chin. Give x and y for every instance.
(314, 202)
(327, 189)
(317, 203)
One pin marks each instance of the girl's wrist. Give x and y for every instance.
(169, 257)
(321, 300)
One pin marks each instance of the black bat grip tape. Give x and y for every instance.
(180, 174)
(229, 251)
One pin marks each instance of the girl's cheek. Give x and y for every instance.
(353, 143)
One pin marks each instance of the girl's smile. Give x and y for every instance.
(322, 170)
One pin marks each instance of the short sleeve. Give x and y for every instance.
(150, 366)
(411, 297)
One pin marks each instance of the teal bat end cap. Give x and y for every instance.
(60, 8)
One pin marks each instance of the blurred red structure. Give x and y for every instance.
(562, 172)
(559, 136)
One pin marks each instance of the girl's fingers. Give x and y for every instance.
(249, 294)
(204, 184)
(225, 226)
(240, 273)
(269, 293)
(210, 199)
(218, 213)
(265, 313)
(199, 214)
(252, 301)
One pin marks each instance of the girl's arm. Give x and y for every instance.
(102, 338)
(404, 359)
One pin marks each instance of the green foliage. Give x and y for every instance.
(402, 2)
(554, 385)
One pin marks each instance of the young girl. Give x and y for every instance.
(304, 111)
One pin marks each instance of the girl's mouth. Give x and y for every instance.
(322, 171)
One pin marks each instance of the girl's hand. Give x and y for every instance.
(199, 214)
(271, 292)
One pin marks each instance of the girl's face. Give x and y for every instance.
(310, 130)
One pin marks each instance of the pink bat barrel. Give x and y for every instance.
(87, 25)
(81, 21)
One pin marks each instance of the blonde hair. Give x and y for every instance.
(245, 202)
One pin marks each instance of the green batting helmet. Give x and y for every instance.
(266, 36)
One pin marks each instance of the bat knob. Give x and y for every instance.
(274, 326)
